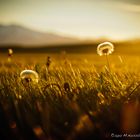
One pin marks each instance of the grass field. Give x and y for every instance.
(77, 97)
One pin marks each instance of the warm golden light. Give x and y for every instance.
(80, 18)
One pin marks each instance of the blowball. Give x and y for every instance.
(105, 48)
(28, 76)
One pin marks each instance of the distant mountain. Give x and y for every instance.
(19, 35)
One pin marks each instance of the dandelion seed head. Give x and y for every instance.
(105, 48)
(29, 76)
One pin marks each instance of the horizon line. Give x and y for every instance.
(82, 38)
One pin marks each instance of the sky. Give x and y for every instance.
(115, 19)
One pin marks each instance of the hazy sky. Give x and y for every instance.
(117, 19)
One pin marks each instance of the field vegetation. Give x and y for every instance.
(77, 96)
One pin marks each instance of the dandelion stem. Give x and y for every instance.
(108, 64)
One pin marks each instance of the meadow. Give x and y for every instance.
(77, 97)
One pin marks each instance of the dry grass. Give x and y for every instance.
(77, 98)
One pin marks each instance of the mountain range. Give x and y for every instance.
(23, 36)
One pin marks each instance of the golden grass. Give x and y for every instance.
(76, 98)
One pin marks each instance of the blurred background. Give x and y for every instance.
(71, 26)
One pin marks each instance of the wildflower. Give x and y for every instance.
(48, 62)
(105, 48)
(10, 52)
(29, 76)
